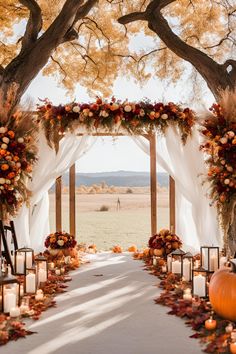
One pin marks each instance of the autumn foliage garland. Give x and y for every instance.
(136, 118)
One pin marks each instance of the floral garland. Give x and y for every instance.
(219, 131)
(60, 240)
(165, 241)
(17, 156)
(136, 118)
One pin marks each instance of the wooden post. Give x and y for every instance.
(153, 182)
(58, 204)
(172, 203)
(72, 200)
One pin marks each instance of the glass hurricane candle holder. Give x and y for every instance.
(210, 258)
(41, 268)
(187, 266)
(9, 293)
(176, 264)
(24, 258)
(210, 324)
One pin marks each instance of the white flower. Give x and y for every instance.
(20, 140)
(1, 187)
(76, 109)
(164, 116)
(223, 140)
(127, 108)
(222, 162)
(226, 181)
(18, 164)
(8, 158)
(230, 134)
(90, 114)
(5, 140)
(16, 178)
(2, 180)
(8, 181)
(3, 130)
(4, 146)
(60, 242)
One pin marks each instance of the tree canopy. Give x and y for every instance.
(92, 42)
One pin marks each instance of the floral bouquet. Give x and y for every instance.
(164, 242)
(60, 240)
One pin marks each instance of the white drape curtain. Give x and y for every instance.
(32, 224)
(196, 221)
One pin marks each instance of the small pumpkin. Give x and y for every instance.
(146, 252)
(158, 252)
(151, 252)
(222, 292)
(132, 248)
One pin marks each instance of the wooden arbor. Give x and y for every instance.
(153, 190)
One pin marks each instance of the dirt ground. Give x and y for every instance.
(125, 221)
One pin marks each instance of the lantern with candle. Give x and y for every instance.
(9, 293)
(200, 280)
(176, 264)
(187, 266)
(210, 324)
(210, 258)
(23, 259)
(41, 268)
(30, 281)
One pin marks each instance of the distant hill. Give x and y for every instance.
(117, 178)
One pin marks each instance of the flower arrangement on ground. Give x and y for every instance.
(219, 131)
(138, 118)
(60, 240)
(17, 157)
(164, 242)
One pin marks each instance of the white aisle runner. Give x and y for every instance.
(108, 309)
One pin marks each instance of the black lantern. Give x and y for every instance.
(210, 258)
(41, 264)
(24, 258)
(9, 293)
(200, 281)
(187, 266)
(176, 264)
(30, 281)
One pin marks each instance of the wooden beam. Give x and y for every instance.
(153, 183)
(72, 200)
(58, 204)
(172, 203)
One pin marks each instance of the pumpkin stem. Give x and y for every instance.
(233, 263)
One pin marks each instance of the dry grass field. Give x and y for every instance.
(128, 225)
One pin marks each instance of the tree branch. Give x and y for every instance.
(213, 73)
(34, 23)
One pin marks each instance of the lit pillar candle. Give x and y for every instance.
(20, 264)
(168, 264)
(42, 276)
(29, 260)
(213, 263)
(176, 267)
(187, 294)
(199, 285)
(154, 261)
(21, 290)
(186, 269)
(9, 301)
(30, 283)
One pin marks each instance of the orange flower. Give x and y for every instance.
(16, 158)
(3, 152)
(11, 175)
(67, 108)
(5, 167)
(11, 134)
(52, 239)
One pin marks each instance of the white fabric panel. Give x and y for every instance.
(32, 225)
(196, 221)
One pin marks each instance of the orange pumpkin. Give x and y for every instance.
(151, 252)
(146, 252)
(132, 248)
(158, 252)
(222, 292)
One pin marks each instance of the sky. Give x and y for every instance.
(107, 154)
